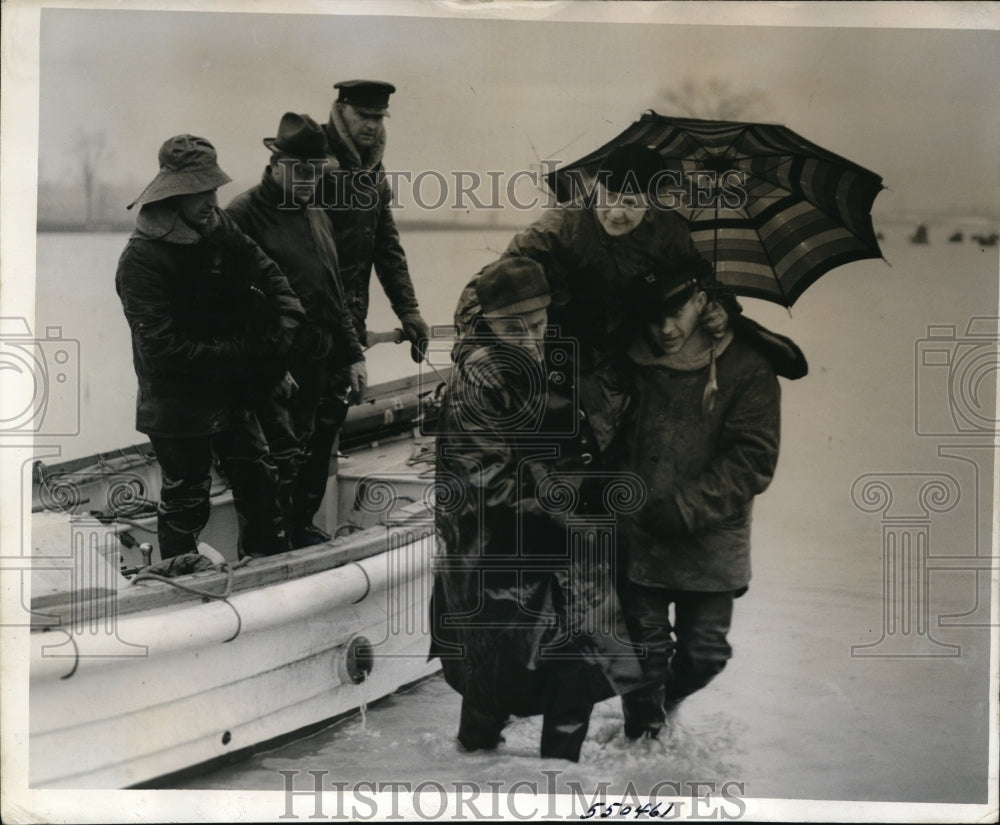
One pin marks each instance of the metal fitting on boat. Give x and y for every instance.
(355, 660)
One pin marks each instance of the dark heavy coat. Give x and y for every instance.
(504, 588)
(358, 197)
(590, 272)
(205, 315)
(301, 242)
(702, 469)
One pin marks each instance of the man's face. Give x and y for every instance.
(198, 210)
(526, 330)
(674, 331)
(297, 178)
(618, 213)
(363, 127)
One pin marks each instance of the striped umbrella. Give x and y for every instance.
(772, 210)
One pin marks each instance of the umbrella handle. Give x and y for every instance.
(711, 388)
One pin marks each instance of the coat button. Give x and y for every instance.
(654, 458)
(661, 417)
(556, 378)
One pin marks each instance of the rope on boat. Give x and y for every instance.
(76, 657)
(368, 583)
(220, 597)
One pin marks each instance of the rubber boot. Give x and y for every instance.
(564, 731)
(478, 730)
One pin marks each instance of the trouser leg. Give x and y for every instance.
(276, 423)
(184, 507)
(242, 451)
(564, 729)
(478, 729)
(647, 616)
(288, 424)
(315, 470)
(702, 621)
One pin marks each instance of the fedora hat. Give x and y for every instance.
(188, 165)
(298, 136)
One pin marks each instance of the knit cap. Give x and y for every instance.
(512, 286)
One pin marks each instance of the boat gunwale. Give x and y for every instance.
(416, 518)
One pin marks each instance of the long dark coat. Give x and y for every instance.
(511, 610)
(202, 311)
(358, 197)
(300, 240)
(590, 272)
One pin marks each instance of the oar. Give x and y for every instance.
(393, 336)
(396, 336)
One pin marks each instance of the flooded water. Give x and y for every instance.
(848, 682)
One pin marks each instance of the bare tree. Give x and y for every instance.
(89, 150)
(711, 99)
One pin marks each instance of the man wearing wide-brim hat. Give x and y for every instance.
(211, 319)
(281, 214)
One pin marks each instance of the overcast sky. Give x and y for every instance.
(917, 106)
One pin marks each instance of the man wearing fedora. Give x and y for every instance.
(281, 214)
(356, 195)
(212, 318)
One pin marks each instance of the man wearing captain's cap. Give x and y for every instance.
(360, 196)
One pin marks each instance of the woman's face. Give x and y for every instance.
(617, 213)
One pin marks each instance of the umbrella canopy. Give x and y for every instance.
(772, 210)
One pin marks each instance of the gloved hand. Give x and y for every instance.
(417, 332)
(480, 372)
(716, 320)
(359, 380)
(277, 342)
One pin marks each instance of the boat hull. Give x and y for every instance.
(155, 692)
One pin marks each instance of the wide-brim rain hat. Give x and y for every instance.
(188, 165)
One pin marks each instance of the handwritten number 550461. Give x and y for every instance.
(624, 810)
